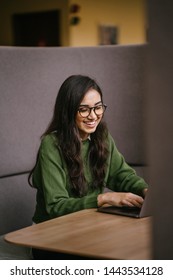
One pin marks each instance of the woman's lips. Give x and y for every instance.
(90, 124)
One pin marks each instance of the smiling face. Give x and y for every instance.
(88, 125)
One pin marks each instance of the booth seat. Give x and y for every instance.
(30, 78)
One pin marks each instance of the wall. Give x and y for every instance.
(127, 15)
(160, 124)
(9, 7)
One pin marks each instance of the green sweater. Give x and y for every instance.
(50, 177)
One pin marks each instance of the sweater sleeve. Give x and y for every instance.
(51, 178)
(121, 177)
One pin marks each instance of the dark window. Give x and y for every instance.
(37, 29)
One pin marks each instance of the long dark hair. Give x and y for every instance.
(63, 124)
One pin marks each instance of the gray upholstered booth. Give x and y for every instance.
(29, 82)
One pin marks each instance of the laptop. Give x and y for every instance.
(134, 212)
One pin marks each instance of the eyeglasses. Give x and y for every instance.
(86, 111)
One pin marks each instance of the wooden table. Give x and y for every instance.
(90, 233)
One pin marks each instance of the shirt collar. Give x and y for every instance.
(88, 138)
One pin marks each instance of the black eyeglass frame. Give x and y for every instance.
(93, 108)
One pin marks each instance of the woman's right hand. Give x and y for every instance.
(120, 199)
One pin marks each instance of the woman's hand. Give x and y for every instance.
(120, 199)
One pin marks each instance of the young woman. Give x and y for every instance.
(78, 158)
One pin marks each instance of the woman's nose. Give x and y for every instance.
(92, 115)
